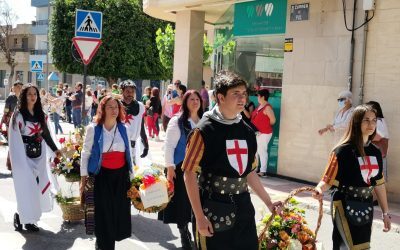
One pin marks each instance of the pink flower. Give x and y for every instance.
(148, 180)
(296, 228)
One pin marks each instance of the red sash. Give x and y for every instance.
(113, 160)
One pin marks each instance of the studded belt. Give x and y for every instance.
(357, 193)
(223, 185)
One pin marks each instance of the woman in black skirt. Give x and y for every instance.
(178, 210)
(353, 172)
(106, 159)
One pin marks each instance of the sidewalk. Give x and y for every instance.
(279, 189)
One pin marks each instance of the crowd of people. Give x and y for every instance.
(212, 146)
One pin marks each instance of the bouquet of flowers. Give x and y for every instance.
(289, 229)
(150, 191)
(69, 164)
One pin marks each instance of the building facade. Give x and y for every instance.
(303, 51)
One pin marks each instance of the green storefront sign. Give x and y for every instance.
(260, 18)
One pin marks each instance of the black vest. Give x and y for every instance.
(220, 140)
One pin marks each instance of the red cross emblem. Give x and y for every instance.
(128, 119)
(35, 129)
(369, 168)
(237, 154)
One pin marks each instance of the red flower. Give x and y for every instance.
(148, 180)
(62, 140)
(76, 147)
(56, 160)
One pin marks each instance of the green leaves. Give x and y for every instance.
(128, 50)
(165, 41)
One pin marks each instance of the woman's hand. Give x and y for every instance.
(387, 223)
(276, 206)
(204, 226)
(318, 194)
(58, 153)
(171, 174)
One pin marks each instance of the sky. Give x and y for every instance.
(23, 9)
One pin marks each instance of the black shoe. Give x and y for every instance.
(186, 239)
(31, 227)
(17, 223)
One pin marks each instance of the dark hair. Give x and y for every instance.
(184, 108)
(226, 80)
(353, 133)
(375, 105)
(263, 93)
(203, 83)
(183, 88)
(59, 91)
(155, 92)
(88, 92)
(79, 84)
(101, 110)
(37, 108)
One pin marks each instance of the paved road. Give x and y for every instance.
(148, 233)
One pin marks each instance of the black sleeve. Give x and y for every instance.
(143, 135)
(47, 138)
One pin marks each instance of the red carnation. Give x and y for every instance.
(56, 160)
(62, 140)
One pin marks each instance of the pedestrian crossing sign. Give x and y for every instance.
(37, 66)
(40, 77)
(88, 24)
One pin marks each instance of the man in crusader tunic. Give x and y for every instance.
(222, 149)
(134, 117)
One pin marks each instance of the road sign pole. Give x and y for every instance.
(84, 91)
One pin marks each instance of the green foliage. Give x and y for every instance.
(227, 43)
(166, 42)
(65, 200)
(128, 49)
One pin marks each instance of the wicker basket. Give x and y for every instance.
(72, 177)
(135, 198)
(72, 211)
(263, 234)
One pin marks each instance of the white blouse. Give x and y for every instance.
(108, 144)
(173, 135)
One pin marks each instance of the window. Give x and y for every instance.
(15, 41)
(2, 77)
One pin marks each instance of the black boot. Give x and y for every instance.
(17, 223)
(186, 238)
(31, 227)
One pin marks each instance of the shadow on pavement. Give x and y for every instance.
(5, 176)
(63, 239)
(157, 231)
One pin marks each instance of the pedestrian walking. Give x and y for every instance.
(263, 118)
(353, 171)
(29, 135)
(9, 107)
(166, 107)
(56, 106)
(204, 96)
(88, 107)
(381, 139)
(222, 148)
(105, 168)
(342, 117)
(179, 210)
(134, 118)
(76, 103)
(153, 112)
(68, 103)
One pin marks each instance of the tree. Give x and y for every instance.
(7, 19)
(128, 49)
(166, 43)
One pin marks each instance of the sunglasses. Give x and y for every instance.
(341, 99)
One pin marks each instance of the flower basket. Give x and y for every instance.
(73, 177)
(153, 180)
(71, 208)
(289, 230)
